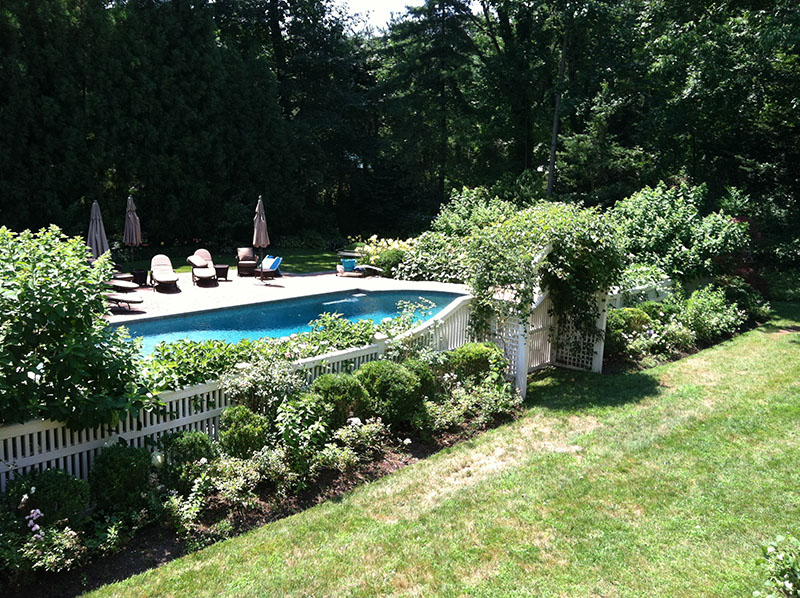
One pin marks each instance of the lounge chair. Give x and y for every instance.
(119, 298)
(270, 268)
(202, 266)
(246, 261)
(162, 273)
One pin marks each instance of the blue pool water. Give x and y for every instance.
(278, 318)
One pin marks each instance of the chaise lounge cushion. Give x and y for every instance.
(196, 261)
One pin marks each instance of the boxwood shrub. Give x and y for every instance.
(119, 478)
(182, 452)
(343, 392)
(393, 391)
(242, 432)
(475, 361)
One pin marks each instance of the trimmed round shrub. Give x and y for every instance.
(475, 361)
(428, 386)
(119, 478)
(389, 260)
(243, 432)
(393, 391)
(623, 323)
(343, 392)
(182, 451)
(56, 493)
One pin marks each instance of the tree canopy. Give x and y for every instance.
(198, 107)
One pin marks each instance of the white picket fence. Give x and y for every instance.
(42, 444)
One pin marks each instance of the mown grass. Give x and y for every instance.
(295, 261)
(657, 483)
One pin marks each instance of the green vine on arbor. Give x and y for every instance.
(583, 259)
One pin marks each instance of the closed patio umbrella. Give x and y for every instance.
(260, 234)
(96, 239)
(132, 235)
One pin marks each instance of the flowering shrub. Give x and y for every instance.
(782, 563)
(304, 425)
(263, 385)
(468, 405)
(373, 247)
(709, 316)
(53, 492)
(54, 550)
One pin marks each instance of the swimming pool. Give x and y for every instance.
(278, 318)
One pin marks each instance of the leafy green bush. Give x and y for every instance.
(663, 227)
(621, 325)
(304, 424)
(470, 210)
(262, 386)
(476, 361)
(393, 391)
(740, 292)
(12, 537)
(782, 563)
(182, 452)
(57, 494)
(473, 406)
(243, 432)
(343, 392)
(429, 387)
(184, 363)
(710, 317)
(389, 260)
(639, 275)
(59, 358)
(119, 479)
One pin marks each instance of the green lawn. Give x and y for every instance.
(658, 483)
(295, 261)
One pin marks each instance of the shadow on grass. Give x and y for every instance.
(568, 390)
(786, 318)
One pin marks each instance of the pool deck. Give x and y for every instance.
(246, 290)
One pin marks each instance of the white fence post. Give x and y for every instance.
(521, 381)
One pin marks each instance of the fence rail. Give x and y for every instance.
(44, 444)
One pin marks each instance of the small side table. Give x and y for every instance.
(222, 271)
(140, 277)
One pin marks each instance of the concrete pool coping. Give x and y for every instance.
(243, 291)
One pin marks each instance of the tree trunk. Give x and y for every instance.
(556, 112)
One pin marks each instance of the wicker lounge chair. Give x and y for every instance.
(202, 266)
(270, 268)
(246, 261)
(162, 273)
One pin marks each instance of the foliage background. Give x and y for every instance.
(198, 107)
